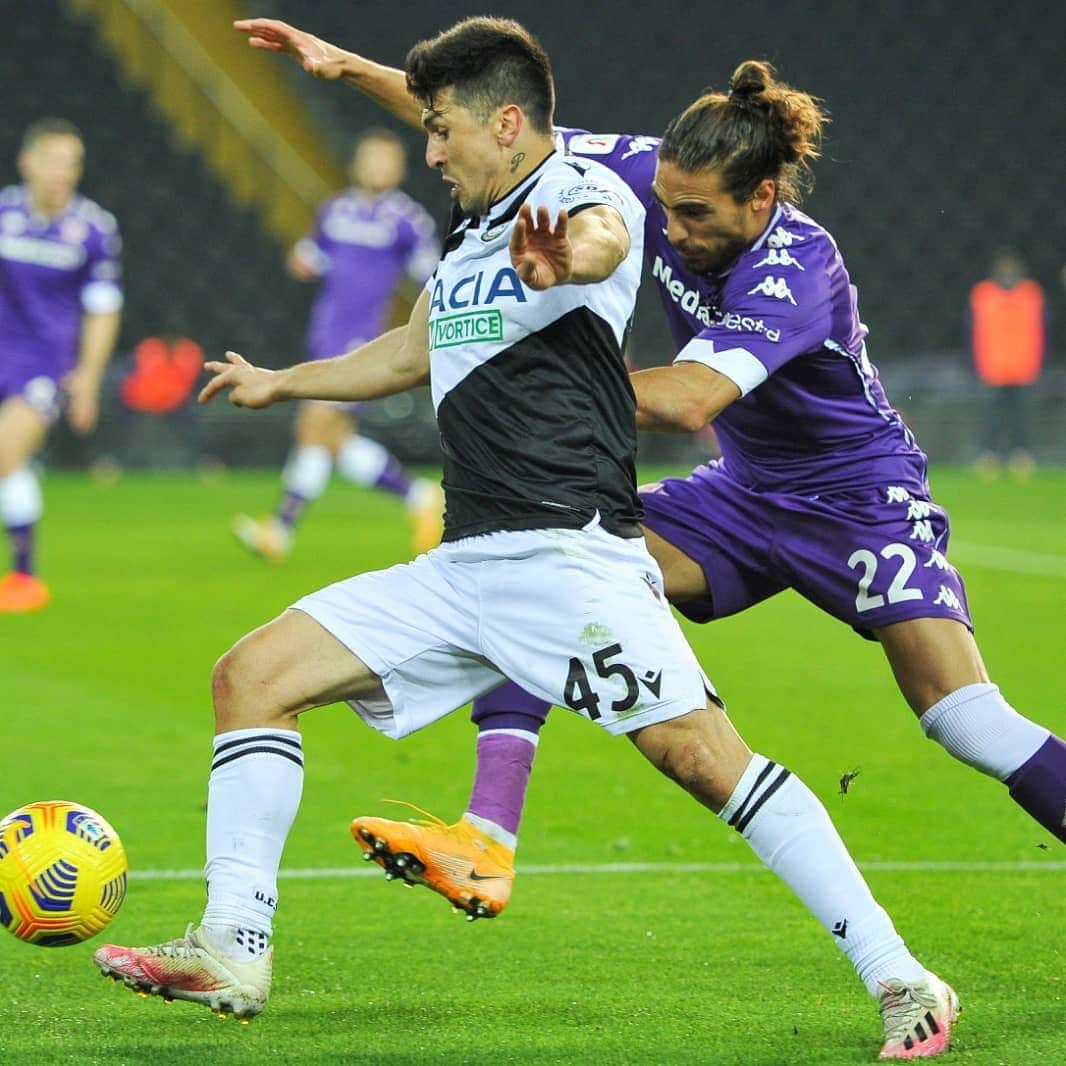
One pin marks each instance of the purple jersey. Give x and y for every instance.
(782, 323)
(362, 247)
(52, 271)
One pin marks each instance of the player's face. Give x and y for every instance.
(703, 221)
(378, 166)
(465, 150)
(51, 167)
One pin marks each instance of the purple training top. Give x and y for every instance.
(52, 271)
(362, 246)
(782, 322)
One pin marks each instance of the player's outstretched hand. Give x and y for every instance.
(541, 255)
(317, 57)
(250, 386)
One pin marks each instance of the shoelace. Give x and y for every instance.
(430, 820)
(458, 831)
(898, 1006)
(181, 948)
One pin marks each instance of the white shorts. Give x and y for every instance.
(577, 617)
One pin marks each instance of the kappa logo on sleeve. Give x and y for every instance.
(775, 287)
(779, 257)
(638, 145)
(781, 238)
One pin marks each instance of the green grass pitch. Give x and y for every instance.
(641, 930)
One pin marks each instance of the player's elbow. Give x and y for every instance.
(691, 415)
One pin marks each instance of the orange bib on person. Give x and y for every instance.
(1008, 332)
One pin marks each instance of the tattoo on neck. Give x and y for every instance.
(516, 160)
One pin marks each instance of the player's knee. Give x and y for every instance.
(680, 751)
(233, 681)
(689, 761)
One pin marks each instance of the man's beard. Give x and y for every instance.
(711, 261)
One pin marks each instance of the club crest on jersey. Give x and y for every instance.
(473, 290)
(586, 191)
(775, 287)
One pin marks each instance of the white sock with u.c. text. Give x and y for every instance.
(789, 829)
(254, 793)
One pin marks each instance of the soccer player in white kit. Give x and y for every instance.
(542, 574)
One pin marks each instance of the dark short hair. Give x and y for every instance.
(761, 129)
(488, 63)
(49, 127)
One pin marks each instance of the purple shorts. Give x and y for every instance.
(869, 557)
(38, 386)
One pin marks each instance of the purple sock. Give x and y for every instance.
(509, 707)
(1039, 786)
(394, 478)
(22, 548)
(505, 761)
(291, 509)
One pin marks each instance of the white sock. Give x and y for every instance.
(789, 829)
(361, 460)
(306, 472)
(492, 830)
(21, 502)
(980, 728)
(256, 781)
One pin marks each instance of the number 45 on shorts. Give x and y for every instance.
(580, 694)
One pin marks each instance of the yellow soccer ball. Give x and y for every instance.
(62, 873)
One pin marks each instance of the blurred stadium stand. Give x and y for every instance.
(946, 143)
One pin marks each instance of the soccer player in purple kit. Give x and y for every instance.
(519, 334)
(60, 301)
(365, 242)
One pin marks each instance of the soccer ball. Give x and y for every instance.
(62, 873)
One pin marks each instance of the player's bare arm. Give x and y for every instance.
(386, 86)
(581, 251)
(99, 331)
(681, 398)
(394, 362)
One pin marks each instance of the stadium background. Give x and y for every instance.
(946, 143)
(640, 932)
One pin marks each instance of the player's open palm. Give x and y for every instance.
(316, 56)
(250, 386)
(541, 254)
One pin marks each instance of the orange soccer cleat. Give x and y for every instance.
(21, 593)
(467, 867)
(266, 537)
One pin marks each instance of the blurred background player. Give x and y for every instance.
(60, 301)
(366, 241)
(1008, 337)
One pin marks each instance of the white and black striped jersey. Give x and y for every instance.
(534, 405)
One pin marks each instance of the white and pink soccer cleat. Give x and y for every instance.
(192, 968)
(917, 1017)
